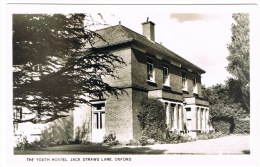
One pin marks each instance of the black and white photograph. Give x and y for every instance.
(130, 84)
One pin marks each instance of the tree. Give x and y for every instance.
(239, 60)
(225, 112)
(55, 65)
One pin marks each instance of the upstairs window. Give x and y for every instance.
(195, 89)
(184, 81)
(166, 80)
(150, 70)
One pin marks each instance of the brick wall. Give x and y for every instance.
(138, 96)
(123, 72)
(119, 116)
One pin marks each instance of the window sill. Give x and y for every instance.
(167, 85)
(152, 83)
(185, 91)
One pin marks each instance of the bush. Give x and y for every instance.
(152, 119)
(110, 139)
(144, 140)
(22, 143)
(175, 137)
(242, 126)
(133, 143)
(211, 135)
(222, 126)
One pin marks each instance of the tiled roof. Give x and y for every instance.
(120, 34)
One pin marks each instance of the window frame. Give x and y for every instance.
(166, 78)
(150, 70)
(195, 85)
(98, 123)
(184, 81)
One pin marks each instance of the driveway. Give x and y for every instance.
(234, 144)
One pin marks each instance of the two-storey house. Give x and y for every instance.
(151, 71)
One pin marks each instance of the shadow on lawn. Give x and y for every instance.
(85, 149)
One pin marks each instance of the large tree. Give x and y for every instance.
(55, 67)
(239, 60)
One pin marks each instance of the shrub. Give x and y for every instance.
(110, 139)
(222, 126)
(144, 140)
(211, 135)
(214, 135)
(175, 137)
(242, 126)
(133, 143)
(22, 143)
(152, 118)
(81, 133)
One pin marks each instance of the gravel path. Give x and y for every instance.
(234, 144)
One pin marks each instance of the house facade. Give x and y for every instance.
(151, 71)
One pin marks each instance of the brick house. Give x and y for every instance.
(151, 71)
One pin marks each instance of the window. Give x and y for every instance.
(195, 89)
(98, 115)
(172, 117)
(18, 114)
(166, 80)
(184, 81)
(150, 70)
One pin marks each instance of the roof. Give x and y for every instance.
(119, 34)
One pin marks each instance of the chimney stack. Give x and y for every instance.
(148, 30)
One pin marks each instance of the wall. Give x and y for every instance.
(123, 71)
(139, 74)
(138, 96)
(82, 119)
(119, 116)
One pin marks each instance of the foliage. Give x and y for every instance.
(110, 139)
(133, 143)
(82, 132)
(224, 109)
(175, 137)
(239, 60)
(211, 135)
(242, 126)
(22, 143)
(152, 119)
(223, 125)
(144, 140)
(55, 65)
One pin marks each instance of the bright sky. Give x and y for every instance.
(201, 38)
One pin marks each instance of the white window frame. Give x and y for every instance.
(184, 81)
(166, 78)
(195, 87)
(150, 70)
(100, 123)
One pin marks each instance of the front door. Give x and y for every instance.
(98, 122)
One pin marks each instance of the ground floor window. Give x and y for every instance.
(174, 113)
(98, 111)
(202, 118)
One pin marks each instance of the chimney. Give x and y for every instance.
(148, 30)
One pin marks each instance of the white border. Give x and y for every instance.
(151, 160)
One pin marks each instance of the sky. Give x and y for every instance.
(201, 38)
